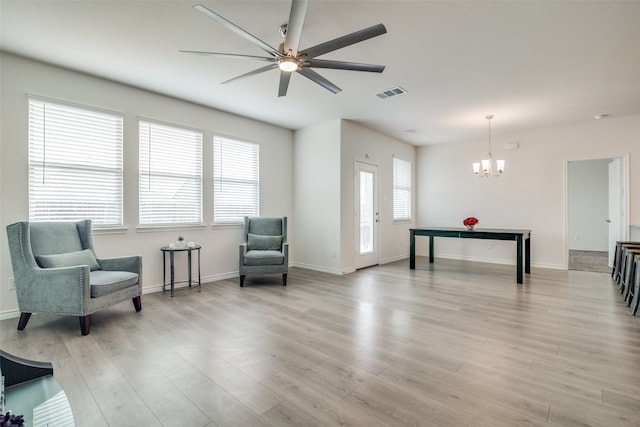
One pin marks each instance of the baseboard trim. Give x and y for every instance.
(394, 259)
(323, 269)
(9, 314)
(185, 283)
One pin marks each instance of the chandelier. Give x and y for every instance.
(490, 166)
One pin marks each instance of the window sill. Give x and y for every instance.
(402, 221)
(110, 230)
(221, 225)
(150, 228)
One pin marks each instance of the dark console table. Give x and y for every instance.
(521, 237)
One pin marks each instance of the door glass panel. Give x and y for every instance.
(367, 216)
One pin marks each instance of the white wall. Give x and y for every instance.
(20, 77)
(316, 195)
(532, 192)
(588, 194)
(362, 144)
(324, 162)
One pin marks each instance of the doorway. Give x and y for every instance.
(367, 215)
(596, 212)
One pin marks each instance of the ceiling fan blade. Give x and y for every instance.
(252, 73)
(341, 65)
(285, 77)
(229, 55)
(294, 26)
(233, 27)
(344, 41)
(317, 78)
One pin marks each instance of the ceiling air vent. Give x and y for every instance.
(394, 91)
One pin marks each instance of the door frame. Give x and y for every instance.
(356, 216)
(624, 222)
(614, 227)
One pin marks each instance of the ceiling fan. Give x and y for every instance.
(288, 58)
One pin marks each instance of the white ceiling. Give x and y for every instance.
(530, 63)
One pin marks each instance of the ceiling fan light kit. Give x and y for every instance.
(288, 64)
(288, 58)
(490, 166)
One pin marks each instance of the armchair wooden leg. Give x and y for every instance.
(85, 324)
(24, 318)
(242, 280)
(137, 303)
(284, 279)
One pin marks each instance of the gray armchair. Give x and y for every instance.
(264, 248)
(56, 271)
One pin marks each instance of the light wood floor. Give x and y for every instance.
(455, 344)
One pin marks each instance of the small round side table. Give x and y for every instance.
(171, 252)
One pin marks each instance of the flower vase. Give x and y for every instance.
(470, 227)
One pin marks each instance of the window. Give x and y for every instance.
(75, 164)
(401, 189)
(170, 175)
(236, 179)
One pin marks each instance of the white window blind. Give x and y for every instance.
(401, 189)
(170, 175)
(75, 164)
(236, 179)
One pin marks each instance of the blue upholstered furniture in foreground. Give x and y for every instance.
(56, 271)
(33, 392)
(264, 248)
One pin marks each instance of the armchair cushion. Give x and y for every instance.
(263, 243)
(108, 282)
(69, 259)
(264, 258)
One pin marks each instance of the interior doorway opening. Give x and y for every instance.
(596, 212)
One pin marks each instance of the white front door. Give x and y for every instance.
(366, 214)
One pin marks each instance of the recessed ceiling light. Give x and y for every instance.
(600, 116)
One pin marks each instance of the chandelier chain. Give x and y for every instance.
(489, 117)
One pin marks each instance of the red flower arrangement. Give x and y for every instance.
(471, 221)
